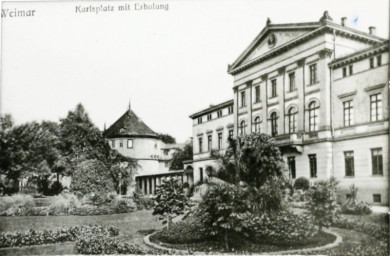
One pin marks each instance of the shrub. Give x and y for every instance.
(322, 203)
(49, 236)
(369, 228)
(15, 204)
(103, 244)
(190, 230)
(302, 183)
(125, 205)
(282, 227)
(63, 203)
(143, 202)
(353, 206)
(170, 201)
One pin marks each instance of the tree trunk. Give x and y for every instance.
(169, 222)
(226, 240)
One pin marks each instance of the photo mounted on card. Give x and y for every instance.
(153, 127)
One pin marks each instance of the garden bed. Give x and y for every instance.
(238, 243)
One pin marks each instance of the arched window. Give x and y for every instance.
(274, 124)
(256, 124)
(313, 116)
(242, 127)
(292, 119)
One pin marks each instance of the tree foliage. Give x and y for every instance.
(170, 200)
(181, 155)
(322, 203)
(166, 138)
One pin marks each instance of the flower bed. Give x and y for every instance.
(50, 236)
(378, 231)
(103, 244)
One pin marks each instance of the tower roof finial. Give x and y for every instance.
(129, 106)
(268, 21)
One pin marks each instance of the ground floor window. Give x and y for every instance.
(377, 198)
(377, 161)
(313, 165)
(349, 164)
(291, 166)
(201, 174)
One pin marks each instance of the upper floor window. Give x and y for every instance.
(291, 79)
(220, 140)
(219, 113)
(348, 112)
(292, 119)
(200, 140)
(208, 117)
(257, 93)
(199, 120)
(350, 69)
(379, 60)
(377, 161)
(113, 143)
(230, 110)
(242, 127)
(344, 71)
(349, 163)
(209, 142)
(257, 124)
(121, 143)
(376, 107)
(313, 73)
(372, 65)
(129, 143)
(273, 88)
(243, 103)
(274, 124)
(313, 116)
(291, 166)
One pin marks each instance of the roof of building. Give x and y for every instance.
(173, 146)
(212, 108)
(312, 29)
(129, 125)
(356, 56)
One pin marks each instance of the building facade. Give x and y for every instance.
(320, 89)
(131, 137)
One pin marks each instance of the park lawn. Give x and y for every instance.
(129, 225)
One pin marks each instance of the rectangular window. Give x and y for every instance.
(379, 60)
(273, 88)
(348, 113)
(219, 113)
(313, 165)
(344, 71)
(230, 109)
(377, 198)
(243, 103)
(129, 143)
(201, 174)
(121, 143)
(313, 73)
(220, 140)
(291, 166)
(113, 143)
(208, 117)
(377, 161)
(372, 63)
(199, 120)
(200, 145)
(349, 164)
(350, 70)
(257, 93)
(166, 164)
(291, 79)
(209, 142)
(230, 133)
(376, 107)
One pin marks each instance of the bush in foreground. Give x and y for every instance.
(50, 236)
(302, 183)
(103, 244)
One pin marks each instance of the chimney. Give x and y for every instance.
(372, 30)
(343, 21)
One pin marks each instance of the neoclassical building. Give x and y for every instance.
(131, 137)
(320, 89)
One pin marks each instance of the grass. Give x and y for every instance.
(132, 227)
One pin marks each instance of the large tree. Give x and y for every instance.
(181, 155)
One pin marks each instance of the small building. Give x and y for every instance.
(131, 137)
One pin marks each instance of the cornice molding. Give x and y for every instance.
(375, 87)
(345, 95)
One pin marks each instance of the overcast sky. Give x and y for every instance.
(170, 64)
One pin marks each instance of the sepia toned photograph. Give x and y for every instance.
(194, 127)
